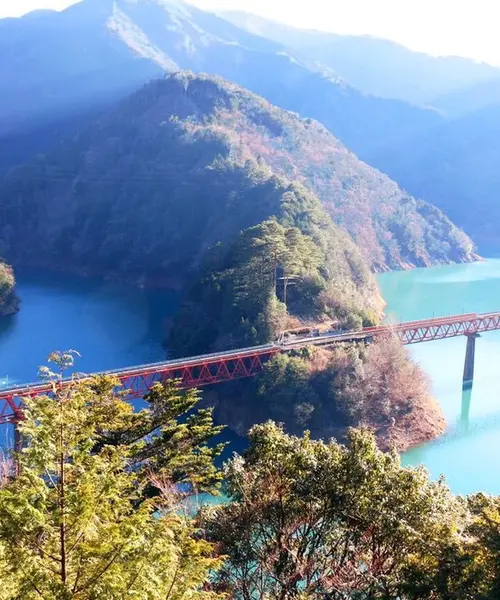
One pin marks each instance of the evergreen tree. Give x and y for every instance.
(315, 520)
(76, 523)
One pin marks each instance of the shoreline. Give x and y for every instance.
(424, 424)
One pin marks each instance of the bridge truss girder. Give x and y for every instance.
(246, 363)
(138, 383)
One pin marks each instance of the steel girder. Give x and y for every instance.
(237, 364)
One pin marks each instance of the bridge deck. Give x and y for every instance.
(218, 367)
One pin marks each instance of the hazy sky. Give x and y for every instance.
(465, 27)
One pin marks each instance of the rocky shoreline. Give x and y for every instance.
(425, 423)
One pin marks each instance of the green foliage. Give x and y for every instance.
(169, 439)
(8, 300)
(76, 522)
(311, 519)
(298, 263)
(328, 391)
(483, 555)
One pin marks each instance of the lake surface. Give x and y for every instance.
(116, 326)
(469, 453)
(111, 325)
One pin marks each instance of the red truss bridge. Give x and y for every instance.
(414, 332)
(219, 367)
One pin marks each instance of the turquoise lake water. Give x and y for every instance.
(469, 453)
(115, 326)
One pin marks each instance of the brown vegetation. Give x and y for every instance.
(327, 391)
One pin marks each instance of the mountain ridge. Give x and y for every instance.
(374, 65)
(134, 42)
(456, 168)
(209, 117)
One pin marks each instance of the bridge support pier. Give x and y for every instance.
(470, 355)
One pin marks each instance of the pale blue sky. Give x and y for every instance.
(464, 27)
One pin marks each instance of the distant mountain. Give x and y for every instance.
(470, 99)
(375, 66)
(457, 168)
(189, 161)
(55, 65)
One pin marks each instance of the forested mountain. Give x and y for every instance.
(375, 66)
(456, 168)
(99, 50)
(171, 172)
(185, 147)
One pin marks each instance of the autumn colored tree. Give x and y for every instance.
(320, 520)
(77, 523)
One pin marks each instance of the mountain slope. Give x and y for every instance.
(97, 51)
(470, 99)
(156, 192)
(375, 66)
(456, 168)
(96, 200)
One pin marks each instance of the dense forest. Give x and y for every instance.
(102, 503)
(171, 159)
(262, 220)
(379, 98)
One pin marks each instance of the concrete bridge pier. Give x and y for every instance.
(470, 354)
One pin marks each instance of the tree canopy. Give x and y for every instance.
(77, 521)
(97, 510)
(310, 519)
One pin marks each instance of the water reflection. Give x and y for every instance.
(468, 453)
(465, 410)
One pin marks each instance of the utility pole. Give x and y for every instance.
(287, 280)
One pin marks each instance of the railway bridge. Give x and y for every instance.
(198, 371)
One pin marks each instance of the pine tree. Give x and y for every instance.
(76, 522)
